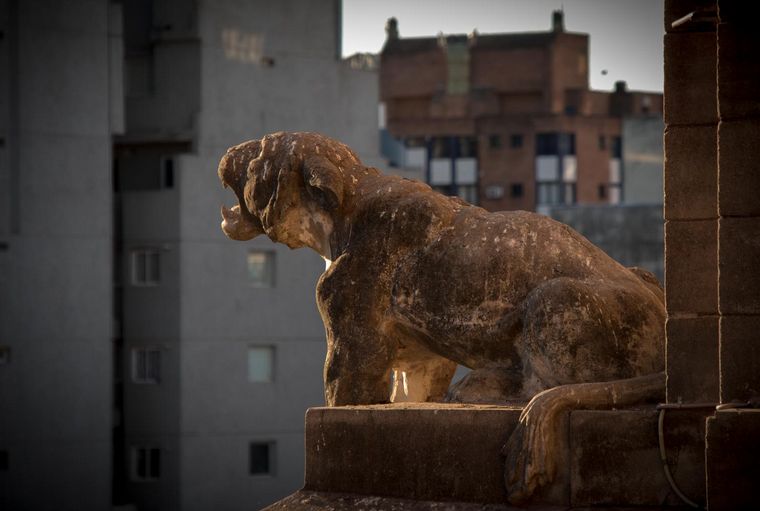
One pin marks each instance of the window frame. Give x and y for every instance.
(271, 458)
(271, 260)
(272, 349)
(146, 378)
(145, 253)
(134, 461)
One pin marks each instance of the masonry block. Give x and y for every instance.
(733, 451)
(676, 9)
(690, 78)
(738, 71)
(691, 266)
(739, 265)
(739, 358)
(691, 172)
(739, 167)
(415, 451)
(692, 359)
(615, 457)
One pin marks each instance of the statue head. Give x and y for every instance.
(288, 186)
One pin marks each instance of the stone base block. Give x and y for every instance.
(423, 452)
(434, 456)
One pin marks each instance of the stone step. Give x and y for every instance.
(452, 453)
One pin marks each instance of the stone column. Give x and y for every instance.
(733, 436)
(691, 212)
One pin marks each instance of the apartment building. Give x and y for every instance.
(147, 361)
(222, 345)
(508, 121)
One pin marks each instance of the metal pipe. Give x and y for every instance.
(664, 460)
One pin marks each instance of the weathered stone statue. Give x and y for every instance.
(417, 283)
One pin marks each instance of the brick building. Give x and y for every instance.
(507, 120)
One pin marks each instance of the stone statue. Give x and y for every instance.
(417, 283)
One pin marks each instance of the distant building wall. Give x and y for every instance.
(505, 95)
(56, 120)
(632, 235)
(642, 160)
(261, 67)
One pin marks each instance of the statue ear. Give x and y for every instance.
(324, 182)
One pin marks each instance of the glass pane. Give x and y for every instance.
(260, 364)
(153, 370)
(152, 272)
(547, 168)
(261, 268)
(141, 464)
(155, 463)
(140, 365)
(259, 458)
(139, 267)
(569, 193)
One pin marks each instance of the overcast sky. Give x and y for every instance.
(626, 35)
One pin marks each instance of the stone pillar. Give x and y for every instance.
(733, 436)
(691, 212)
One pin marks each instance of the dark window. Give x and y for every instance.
(5, 355)
(617, 147)
(3, 461)
(516, 141)
(516, 190)
(468, 147)
(441, 147)
(571, 110)
(602, 142)
(146, 463)
(546, 144)
(260, 458)
(602, 192)
(168, 170)
(494, 141)
(555, 143)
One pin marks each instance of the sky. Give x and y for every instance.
(625, 35)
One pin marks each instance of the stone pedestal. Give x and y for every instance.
(433, 456)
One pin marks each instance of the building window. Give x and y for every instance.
(146, 365)
(556, 169)
(457, 67)
(516, 141)
(494, 192)
(261, 458)
(145, 267)
(5, 355)
(555, 144)
(615, 187)
(146, 464)
(602, 142)
(167, 172)
(617, 147)
(261, 268)
(494, 141)
(516, 190)
(602, 192)
(261, 364)
(3, 461)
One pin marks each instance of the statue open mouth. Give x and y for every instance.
(237, 222)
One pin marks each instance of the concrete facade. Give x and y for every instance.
(57, 114)
(630, 234)
(508, 120)
(223, 72)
